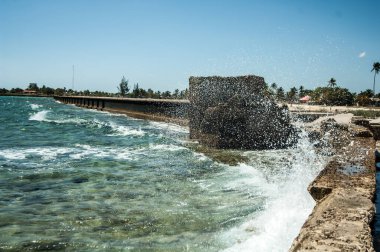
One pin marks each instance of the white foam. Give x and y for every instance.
(39, 116)
(121, 130)
(200, 156)
(35, 106)
(42, 117)
(287, 206)
(12, 155)
(250, 177)
(166, 147)
(71, 120)
(169, 127)
(78, 152)
(84, 151)
(45, 153)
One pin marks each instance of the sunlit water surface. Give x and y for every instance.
(76, 179)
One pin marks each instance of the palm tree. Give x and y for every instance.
(332, 83)
(273, 86)
(376, 68)
(301, 91)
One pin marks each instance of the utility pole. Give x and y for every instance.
(72, 80)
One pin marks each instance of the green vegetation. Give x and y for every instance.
(333, 96)
(123, 91)
(332, 83)
(123, 87)
(366, 113)
(330, 95)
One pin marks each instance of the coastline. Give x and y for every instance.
(344, 192)
(337, 221)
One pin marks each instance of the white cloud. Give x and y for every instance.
(362, 55)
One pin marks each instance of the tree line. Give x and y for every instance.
(136, 92)
(331, 94)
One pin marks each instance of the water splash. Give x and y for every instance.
(111, 128)
(121, 130)
(287, 206)
(35, 106)
(40, 116)
(173, 128)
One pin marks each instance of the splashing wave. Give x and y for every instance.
(40, 116)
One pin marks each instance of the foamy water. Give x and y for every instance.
(35, 106)
(39, 116)
(286, 209)
(99, 181)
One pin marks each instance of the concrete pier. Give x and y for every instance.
(174, 111)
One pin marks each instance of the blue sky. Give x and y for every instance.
(160, 44)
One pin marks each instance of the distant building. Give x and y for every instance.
(305, 99)
(29, 91)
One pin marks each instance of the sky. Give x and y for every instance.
(160, 44)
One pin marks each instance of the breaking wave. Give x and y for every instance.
(40, 116)
(114, 128)
(35, 106)
(169, 127)
(288, 202)
(121, 130)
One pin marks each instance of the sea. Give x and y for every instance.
(74, 179)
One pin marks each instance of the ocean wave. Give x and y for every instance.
(166, 147)
(287, 203)
(169, 127)
(200, 156)
(82, 151)
(120, 130)
(75, 153)
(112, 128)
(45, 153)
(87, 151)
(35, 106)
(40, 116)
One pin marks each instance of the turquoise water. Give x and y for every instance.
(84, 180)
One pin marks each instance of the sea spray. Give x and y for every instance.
(287, 206)
(121, 130)
(35, 106)
(39, 116)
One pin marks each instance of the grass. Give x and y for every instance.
(366, 113)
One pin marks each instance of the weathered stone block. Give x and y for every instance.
(234, 112)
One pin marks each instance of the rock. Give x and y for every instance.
(359, 120)
(360, 131)
(375, 128)
(234, 112)
(343, 191)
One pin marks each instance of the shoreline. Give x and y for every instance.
(293, 107)
(335, 190)
(344, 192)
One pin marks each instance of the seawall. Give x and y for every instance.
(344, 191)
(174, 111)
